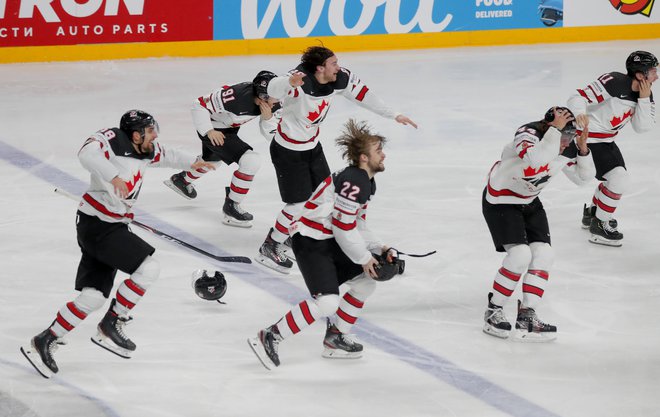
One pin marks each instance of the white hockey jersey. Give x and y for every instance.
(610, 104)
(529, 161)
(230, 107)
(109, 153)
(338, 209)
(304, 108)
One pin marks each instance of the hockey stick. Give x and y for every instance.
(163, 235)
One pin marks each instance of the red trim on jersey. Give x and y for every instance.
(583, 94)
(599, 135)
(315, 225)
(347, 212)
(362, 93)
(523, 153)
(532, 290)
(502, 290)
(287, 215)
(62, 322)
(343, 226)
(242, 176)
(310, 206)
(134, 287)
(539, 273)
(101, 208)
(603, 206)
(507, 193)
(238, 190)
(327, 182)
(292, 323)
(353, 301)
(599, 98)
(201, 101)
(345, 316)
(124, 301)
(297, 142)
(280, 228)
(608, 193)
(74, 310)
(304, 308)
(511, 275)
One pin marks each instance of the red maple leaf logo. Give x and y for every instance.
(314, 115)
(136, 179)
(617, 121)
(530, 171)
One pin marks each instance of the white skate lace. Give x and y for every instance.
(120, 328)
(238, 208)
(349, 339)
(497, 316)
(608, 228)
(280, 250)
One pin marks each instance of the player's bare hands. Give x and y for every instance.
(121, 189)
(202, 164)
(562, 117)
(404, 120)
(296, 79)
(582, 121)
(644, 88)
(216, 137)
(581, 142)
(265, 109)
(370, 267)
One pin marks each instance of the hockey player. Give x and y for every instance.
(116, 160)
(218, 118)
(306, 95)
(604, 107)
(517, 221)
(333, 246)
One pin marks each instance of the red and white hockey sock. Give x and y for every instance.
(284, 219)
(300, 317)
(128, 294)
(348, 312)
(606, 202)
(74, 312)
(503, 286)
(240, 186)
(534, 284)
(193, 175)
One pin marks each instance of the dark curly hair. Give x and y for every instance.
(355, 141)
(315, 56)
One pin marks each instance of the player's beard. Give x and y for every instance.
(147, 148)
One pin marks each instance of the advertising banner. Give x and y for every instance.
(611, 12)
(258, 19)
(69, 22)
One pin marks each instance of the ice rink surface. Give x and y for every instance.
(425, 353)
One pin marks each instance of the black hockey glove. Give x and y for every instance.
(387, 270)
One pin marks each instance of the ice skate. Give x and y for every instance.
(265, 347)
(602, 233)
(589, 213)
(179, 185)
(288, 249)
(496, 323)
(530, 329)
(271, 254)
(40, 353)
(340, 345)
(234, 215)
(111, 334)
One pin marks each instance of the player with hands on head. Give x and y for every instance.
(117, 159)
(218, 118)
(605, 107)
(518, 222)
(306, 95)
(334, 246)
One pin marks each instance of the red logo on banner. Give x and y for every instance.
(633, 6)
(70, 22)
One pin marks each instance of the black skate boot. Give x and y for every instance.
(40, 353)
(234, 214)
(530, 329)
(288, 249)
(265, 346)
(496, 323)
(602, 233)
(588, 213)
(179, 184)
(111, 334)
(271, 254)
(339, 345)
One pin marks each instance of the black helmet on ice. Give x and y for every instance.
(640, 61)
(137, 121)
(209, 287)
(260, 84)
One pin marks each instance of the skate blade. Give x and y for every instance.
(109, 345)
(272, 265)
(494, 331)
(598, 240)
(340, 354)
(171, 185)
(532, 337)
(35, 360)
(260, 353)
(230, 221)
